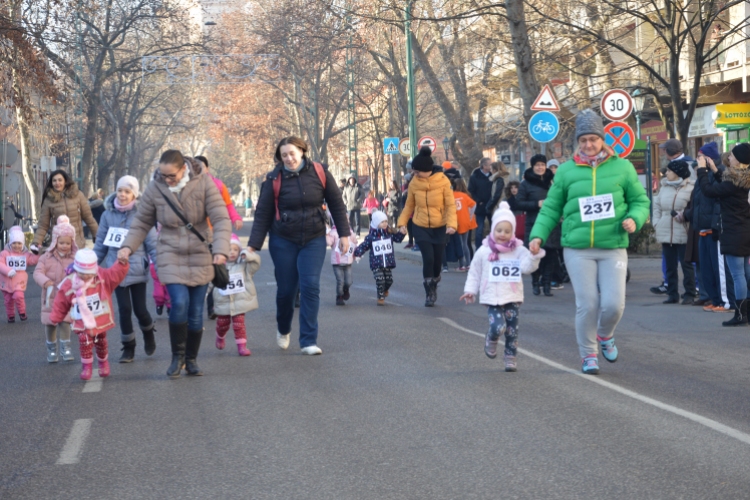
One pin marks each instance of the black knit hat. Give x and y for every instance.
(679, 167)
(742, 153)
(536, 159)
(423, 161)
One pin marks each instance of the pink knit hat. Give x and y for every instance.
(86, 262)
(63, 228)
(235, 240)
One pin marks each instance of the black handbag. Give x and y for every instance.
(221, 274)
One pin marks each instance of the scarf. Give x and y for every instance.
(125, 208)
(183, 182)
(79, 287)
(497, 248)
(301, 166)
(674, 183)
(596, 160)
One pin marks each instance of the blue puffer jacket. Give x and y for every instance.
(139, 265)
(377, 261)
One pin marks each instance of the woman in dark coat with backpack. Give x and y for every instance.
(531, 195)
(290, 208)
(731, 189)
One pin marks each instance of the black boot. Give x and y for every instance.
(128, 351)
(740, 314)
(547, 289)
(149, 342)
(191, 352)
(340, 300)
(178, 338)
(535, 285)
(428, 302)
(434, 288)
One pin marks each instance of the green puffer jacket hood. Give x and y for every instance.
(615, 176)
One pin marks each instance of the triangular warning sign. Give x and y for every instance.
(546, 101)
(391, 148)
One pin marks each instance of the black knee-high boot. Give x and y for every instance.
(191, 352)
(178, 338)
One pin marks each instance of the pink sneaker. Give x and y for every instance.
(86, 368)
(242, 348)
(103, 367)
(220, 342)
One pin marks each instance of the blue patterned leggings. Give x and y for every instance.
(504, 320)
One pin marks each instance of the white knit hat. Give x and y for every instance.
(376, 218)
(503, 214)
(15, 235)
(129, 182)
(86, 261)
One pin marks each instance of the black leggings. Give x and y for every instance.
(128, 306)
(432, 259)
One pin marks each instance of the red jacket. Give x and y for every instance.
(105, 282)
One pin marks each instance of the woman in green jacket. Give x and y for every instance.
(601, 200)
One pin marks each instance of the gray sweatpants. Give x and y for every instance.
(598, 308)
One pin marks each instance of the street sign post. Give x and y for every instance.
(390, 145)
(544, 127)
(616, 105)
(620, 137)
(404, 147)
(546, 101)
(427, 141)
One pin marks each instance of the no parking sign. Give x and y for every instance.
(620, 137)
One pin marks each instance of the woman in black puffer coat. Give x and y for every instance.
(531, 195)
(731, 189)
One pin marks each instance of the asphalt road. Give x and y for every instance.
(402, 404)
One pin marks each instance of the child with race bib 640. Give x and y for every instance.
(238, 298)
(13, 277)
(382, 260)
(495, 276)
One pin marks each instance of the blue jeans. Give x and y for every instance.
(298, 266)
(187, 305)
(740, 270)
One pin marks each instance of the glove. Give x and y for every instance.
(11, 273)
(34, 249)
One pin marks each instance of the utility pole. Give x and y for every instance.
(410, 81)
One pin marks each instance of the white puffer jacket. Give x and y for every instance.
(239, 303)
(497, 294)
(667, 228)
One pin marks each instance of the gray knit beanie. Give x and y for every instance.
(588, 122)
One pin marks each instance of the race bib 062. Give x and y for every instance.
(505, 271)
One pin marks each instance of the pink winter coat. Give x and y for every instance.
(51, 267)
(370, 204)
(18, 282)
(332, 238)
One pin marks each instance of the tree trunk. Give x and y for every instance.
(528, 85)
(25, 137)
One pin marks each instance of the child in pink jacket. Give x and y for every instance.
(49, 273)
(14, 260)
(86, 295)
(161, 295)
(342, 264)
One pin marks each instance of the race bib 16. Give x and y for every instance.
(115, 237)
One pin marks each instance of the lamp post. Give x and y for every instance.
(639, 100)
(411, 90)
(446, 144)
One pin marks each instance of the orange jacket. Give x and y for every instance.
(465, 206)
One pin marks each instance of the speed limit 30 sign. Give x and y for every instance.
(616, 104)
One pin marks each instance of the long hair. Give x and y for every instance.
(499, 166)
(510, 185)
(460, 186)
(68, 182)
(293, 141)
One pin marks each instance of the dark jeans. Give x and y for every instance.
(298, 265)
(354, 220)
(479, 231)
(409, 226)
(674, 254)
(187, 305)
(432, 259)
(132, 299)
(343, 278)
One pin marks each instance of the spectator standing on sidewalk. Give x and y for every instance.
(480, 190)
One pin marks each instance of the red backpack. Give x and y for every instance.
(277, 185)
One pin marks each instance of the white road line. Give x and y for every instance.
(95, 384)
(389, 302)
(71, 452)
(711, 424)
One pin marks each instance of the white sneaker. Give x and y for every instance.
(312, 350)
(283, 340)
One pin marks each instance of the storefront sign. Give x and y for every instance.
(732, 114)
(655, 130)
(703, 122)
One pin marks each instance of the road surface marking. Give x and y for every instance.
(389, 302)
(711, 424)
(95, 384)
(71, 452)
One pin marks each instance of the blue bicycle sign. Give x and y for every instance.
(544, 126)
